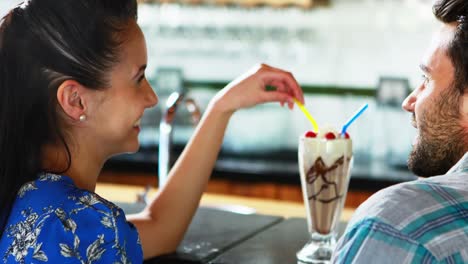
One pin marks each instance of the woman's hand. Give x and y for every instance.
(250, 89)
(163, 224)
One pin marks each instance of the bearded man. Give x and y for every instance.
(425, 221)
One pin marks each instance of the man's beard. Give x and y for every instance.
(442, 139)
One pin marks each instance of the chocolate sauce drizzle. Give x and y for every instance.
(320, 169)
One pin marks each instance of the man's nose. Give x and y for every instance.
(409, 103)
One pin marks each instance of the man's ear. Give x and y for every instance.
(70, 96)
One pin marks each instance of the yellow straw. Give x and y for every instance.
(307, 114)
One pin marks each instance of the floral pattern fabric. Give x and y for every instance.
(53, 221)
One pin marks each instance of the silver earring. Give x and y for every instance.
(82, 118)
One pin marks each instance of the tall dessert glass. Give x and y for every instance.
(324, 164)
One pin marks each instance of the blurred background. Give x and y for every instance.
(343, 52)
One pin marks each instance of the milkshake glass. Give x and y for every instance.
(325, 163)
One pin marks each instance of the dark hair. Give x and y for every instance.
(42, 44)
(450, 11)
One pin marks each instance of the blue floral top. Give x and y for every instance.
(54, 221)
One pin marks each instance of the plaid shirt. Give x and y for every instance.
(423, 221)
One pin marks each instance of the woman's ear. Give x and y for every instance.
(70, 96)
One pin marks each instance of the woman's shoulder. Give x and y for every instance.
(67, 223)
(54, 191)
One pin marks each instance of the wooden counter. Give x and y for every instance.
(248, 189)
(128, 193)
(273, 235)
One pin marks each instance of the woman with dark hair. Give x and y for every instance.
(72, 93)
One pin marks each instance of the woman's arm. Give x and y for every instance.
(164, 222)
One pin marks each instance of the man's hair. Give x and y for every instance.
(456, 11)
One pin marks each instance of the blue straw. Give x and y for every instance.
(351, 120)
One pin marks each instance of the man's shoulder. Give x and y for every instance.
(398, 202)
(392, 204)
(428, 213)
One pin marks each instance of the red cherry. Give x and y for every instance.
(346, 135)
(310, 134)
(330, 135)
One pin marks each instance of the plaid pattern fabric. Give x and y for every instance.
(423, 221)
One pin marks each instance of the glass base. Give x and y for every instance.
(318, 250)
